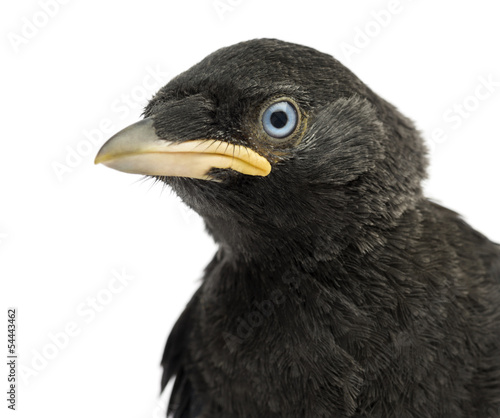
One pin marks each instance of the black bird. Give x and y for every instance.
(338, 289)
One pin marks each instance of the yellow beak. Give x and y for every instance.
(137, 149)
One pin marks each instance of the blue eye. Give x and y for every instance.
(280, 119)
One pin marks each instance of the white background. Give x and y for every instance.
(63, 237)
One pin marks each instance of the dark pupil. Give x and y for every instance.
(279, 119)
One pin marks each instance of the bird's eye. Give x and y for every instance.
(280, 119)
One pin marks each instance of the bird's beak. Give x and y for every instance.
(137, 149)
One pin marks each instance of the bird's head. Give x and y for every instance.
(277, 145)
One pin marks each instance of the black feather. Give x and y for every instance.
(339, 290)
